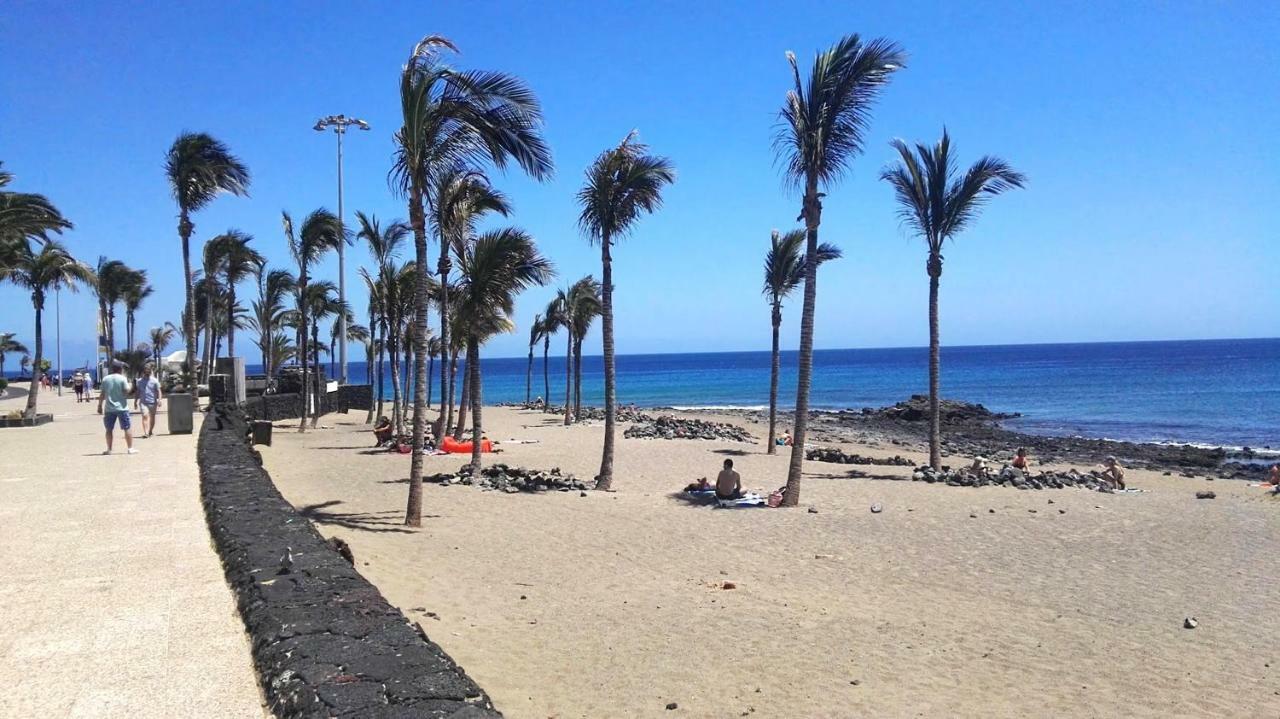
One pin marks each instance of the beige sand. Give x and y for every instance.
(610, 605)
(113, 601)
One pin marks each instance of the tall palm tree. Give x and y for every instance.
(454, 118)
(160, 339)
(565, 320)
(198, 168)
(238, 262)
(494, 268)
(316, 302)
(937, 203)
(24, 216)
(584, 297)
(9, 344)
(783, 272)
(384, 247)
(137, 291)
(321, 233)
(622, 184)
(535, 334)
(551, 321)
(39, 272)
(213, 259)
(823, 121)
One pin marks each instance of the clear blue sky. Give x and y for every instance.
(1148, 130)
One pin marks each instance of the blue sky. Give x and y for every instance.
(1148, 131)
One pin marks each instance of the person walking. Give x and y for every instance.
(113, 391)
(77, 383)
(146, 397)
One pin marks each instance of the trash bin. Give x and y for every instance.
(179, 407)
(262, 432)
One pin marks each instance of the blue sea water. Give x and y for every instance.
(1216, 392)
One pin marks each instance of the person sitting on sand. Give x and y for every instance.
(382, 431)
(1273, 477)
(729, 482)
(1020, 459)
(1113, 473)
(785, 440)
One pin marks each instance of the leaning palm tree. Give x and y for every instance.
(452, 118)
(622, 184)
(24, 216)
(9, 344)
(535, 334)
(494, 268)
(321, 233)
(783, 272)
(937, 203)
(198, 168)
(823, 121)
(584, 297)
(39, 272)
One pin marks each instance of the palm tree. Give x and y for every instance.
(535, 334)
(24, 216)
(783, 272)
(269, 310)
(565, 319)
(551, 317)
(281, 350)
(199, 168)
(494, 268)
(135, 293)
(384, 247)
(39, 272)
(622, 184)
(239, 261)
(823, 122)
(321, 233)
(9, 344)
(112, 278)
(318, 301)
(585, 307)
(160, 339)
(213, 258)
(937, 204)
(453, 118)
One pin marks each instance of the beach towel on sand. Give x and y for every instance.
(750, 499)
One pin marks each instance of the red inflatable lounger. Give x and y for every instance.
(453, 446)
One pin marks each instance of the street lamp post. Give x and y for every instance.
(340, 123)
(57, 303)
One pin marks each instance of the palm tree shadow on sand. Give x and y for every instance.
(387, 521)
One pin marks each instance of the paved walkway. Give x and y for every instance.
(112, 602)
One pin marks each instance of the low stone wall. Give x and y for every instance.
(276, 407)
(325, 641)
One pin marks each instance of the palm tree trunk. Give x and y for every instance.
(397, 420)
(473, 373)
(464, 401)
(315, 361)
(577, 378)
(381, 346)
(605, 480)
(406, 368)
(36, 374)
(443, 268)
(568, 378)
(805, 374)
(546, 375)
(208, 333)
(453, 382)
(231, 320)
(774, 369)
(431, 364)
(413, 510)
(935, 424)
(369, 364)
(528, 378)
(188, 314)
(302, 342)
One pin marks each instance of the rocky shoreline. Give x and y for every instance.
(970, 430)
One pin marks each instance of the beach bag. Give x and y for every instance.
(775, 497)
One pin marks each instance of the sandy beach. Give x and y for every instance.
(953, 601)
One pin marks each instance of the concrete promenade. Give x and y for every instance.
(113, 602)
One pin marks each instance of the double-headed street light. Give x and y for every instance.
(340, 123)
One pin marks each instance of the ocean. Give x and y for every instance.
(1213, 392)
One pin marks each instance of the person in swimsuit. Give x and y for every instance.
(1113, 473)
(728, 482)
(1020, 459)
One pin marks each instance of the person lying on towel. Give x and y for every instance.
(729, 482)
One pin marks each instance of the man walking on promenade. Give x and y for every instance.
(146, 397)
(114, 391)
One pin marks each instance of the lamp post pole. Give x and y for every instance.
(57, 303)
(340, 123)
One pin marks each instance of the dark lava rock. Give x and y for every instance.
(669, 427)
(1205, 495)
(838, 456)
(504, 478)
(672, 706)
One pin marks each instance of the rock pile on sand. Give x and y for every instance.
(1012, 477)
(503, 478)
(668, 427)
(624, 414)
(838, 456)
(916, 409)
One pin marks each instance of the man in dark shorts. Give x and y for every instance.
(77, 383)
(729, 482)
